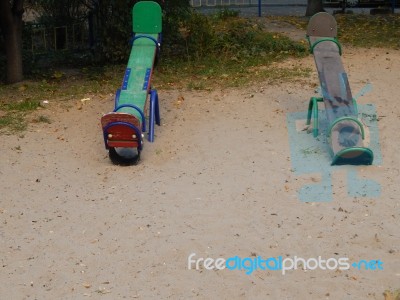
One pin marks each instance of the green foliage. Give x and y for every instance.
(59, 12)
(226, 51)
(227, 13)
(230, 38)
(115, 25)
(25, 105)
(12, 122)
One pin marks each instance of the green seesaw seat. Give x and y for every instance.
(123, 128)
(345, 131)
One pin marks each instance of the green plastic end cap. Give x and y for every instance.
(147, 17)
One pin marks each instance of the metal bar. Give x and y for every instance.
(153, 94)
(158, 120)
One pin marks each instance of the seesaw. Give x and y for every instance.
(123, 128)
(345, 131)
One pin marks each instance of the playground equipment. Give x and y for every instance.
(123, 127)
(345, 131)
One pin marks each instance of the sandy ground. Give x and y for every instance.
(217, 182)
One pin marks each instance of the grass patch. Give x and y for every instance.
(12, 122)
(225, 50)
(42, 119)
(13, 115)
(49, 86)
(16, 101)
(26, 105)
(211, 74)
(382, 31)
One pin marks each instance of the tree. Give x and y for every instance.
(113, 25)
(11, 12)
(59, 12)
(114, 28)
(313, 7)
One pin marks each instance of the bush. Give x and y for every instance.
(115, 25)
(223, 37)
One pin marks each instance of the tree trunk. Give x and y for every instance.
(313, 7)
(11, 27)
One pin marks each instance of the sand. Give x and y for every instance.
(218, 181)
